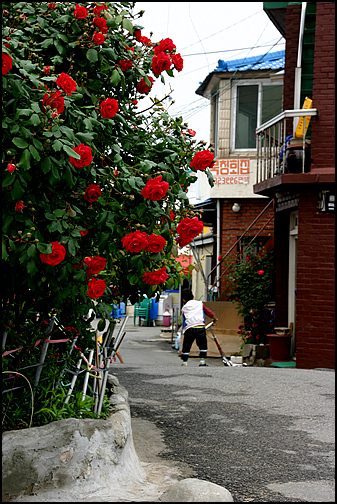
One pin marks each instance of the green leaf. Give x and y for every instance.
(7, 223)
(4, 252)
(71, 152)
(35, 120)
(46, 165)
(36, 108)
(115, 78)
(71, 247)
(92, 55)
(68, 177)
(22, 144)
(34, 153)
(32, 268)
(63, 19)
(80, 275)
(44, 248)
(31, 252)
(38, 144)
(17, 191)
(127, 25)
(68, 132)
(8, 179)
(47, 42)
(57, 145)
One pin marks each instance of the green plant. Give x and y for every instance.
(83, 167)
(94, 187)
(252, 280)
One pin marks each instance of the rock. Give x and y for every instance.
(196, 490)
(84, 455)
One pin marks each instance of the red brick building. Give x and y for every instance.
(304, 194)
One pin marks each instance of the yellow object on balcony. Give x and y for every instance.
(299, 129)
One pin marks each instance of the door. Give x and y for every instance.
(292, 278)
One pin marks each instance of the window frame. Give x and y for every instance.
(249, 82)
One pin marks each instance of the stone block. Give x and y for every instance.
(196, 490)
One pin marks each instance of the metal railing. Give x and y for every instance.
(217, 280)
(271, 143)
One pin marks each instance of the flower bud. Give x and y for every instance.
(36, 240)
(28, 235)
(32, 228)
(19, 232)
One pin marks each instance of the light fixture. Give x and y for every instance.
(236, 207)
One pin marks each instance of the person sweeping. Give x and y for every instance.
(194, 326)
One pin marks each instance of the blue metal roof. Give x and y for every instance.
(270, 61)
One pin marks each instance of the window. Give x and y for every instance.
(253, 104)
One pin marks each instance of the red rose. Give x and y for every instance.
(156, 277)
(109, 108)
(145, 40)
(160, 63)
(100, 23)
(47, 70)
(143, 87)
(135, 242)
(138, 35)
(260, 272)
(19, 206)
(202, 160)
(67, 84)
(80, 12)
(172, 215)
(86, 156)
(155, 189)
(191, 132)
(54, 100)
(6, 63)
(98, 8)
(178, 62)
(125, 65)
(98, 38)
(83, 233)
(51, 5)
(134, 102)
(163, 46)
(58, 253)
(92, 193)
(11, 167)
(155, 243)
(95, 265)
(96, 288)
(188, 229)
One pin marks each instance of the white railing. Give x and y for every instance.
(271, 144)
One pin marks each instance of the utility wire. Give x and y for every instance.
(189, 11)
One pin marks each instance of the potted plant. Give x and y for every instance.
(252, 280)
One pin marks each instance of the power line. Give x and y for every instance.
(226, 50)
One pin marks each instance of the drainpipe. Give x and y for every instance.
(218, 237)
(298, 69)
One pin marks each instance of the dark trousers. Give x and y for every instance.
(199, 335)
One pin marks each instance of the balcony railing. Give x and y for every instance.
(273, 142)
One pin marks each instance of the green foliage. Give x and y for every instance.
(252, 278)
(128, 149)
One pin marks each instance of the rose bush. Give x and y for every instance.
(84, 167)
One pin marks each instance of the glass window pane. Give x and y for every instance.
(271, 102)
(246, 117)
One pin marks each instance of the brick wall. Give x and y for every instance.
(293, 17)
(315, 334)
(323, 126)
(234, 224)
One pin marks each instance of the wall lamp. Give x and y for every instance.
(236, 207)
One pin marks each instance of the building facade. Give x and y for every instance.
(243, 93)
(302, 183)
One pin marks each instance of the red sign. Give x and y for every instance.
(231, 171)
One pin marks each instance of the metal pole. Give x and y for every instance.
(73, 381)
(86, 377)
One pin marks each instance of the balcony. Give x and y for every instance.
(279, 154)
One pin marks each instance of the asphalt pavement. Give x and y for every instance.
(265, 434)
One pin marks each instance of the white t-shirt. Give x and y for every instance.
(193, 314)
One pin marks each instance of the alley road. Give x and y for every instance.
(265, 434)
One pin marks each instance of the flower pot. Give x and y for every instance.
(279, 346)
